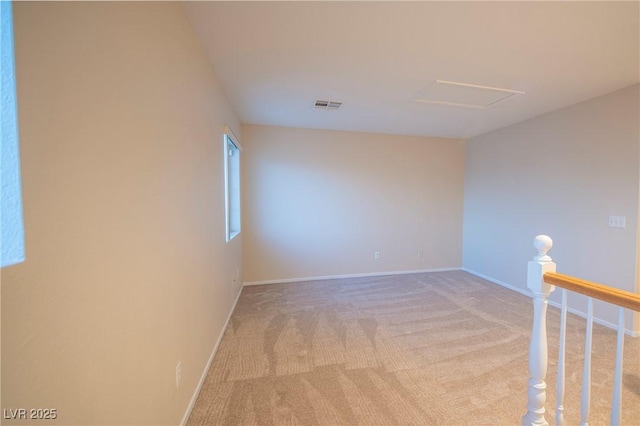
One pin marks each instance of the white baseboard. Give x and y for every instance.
(574, 311)
(206, 368)
(500, 283)
(333, 277)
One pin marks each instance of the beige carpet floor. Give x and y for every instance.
(444, 348)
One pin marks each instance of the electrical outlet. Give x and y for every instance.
(376, 255)
(178, 374)
(236, 278)
(420, 253)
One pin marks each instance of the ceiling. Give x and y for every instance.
(275, 59)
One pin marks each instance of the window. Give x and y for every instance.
(12, 235)
(232, 184)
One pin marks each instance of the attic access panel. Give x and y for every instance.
(463, 95)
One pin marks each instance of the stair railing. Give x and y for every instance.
(541, 280)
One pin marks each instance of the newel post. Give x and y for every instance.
(536, 393)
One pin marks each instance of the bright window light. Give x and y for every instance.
(12, 235)
(232, 185)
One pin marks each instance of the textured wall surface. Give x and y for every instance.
(128, 272)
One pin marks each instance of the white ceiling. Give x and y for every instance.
(274, 59)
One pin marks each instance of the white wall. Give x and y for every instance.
(127, 272)
(561, 174)
(320, 203)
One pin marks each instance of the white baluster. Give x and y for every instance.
(616, 403)
(585, 401)
(536, 393)
(561, 351)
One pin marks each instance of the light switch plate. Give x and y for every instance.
(617, 221)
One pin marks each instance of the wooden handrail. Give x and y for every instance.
(599, 291)
(541, 279)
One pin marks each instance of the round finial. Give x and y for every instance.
(543, 244)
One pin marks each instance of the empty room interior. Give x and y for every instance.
(314, 212)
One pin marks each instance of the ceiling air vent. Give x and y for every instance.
(328, 105)
(463, 95)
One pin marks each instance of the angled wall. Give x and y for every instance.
(127, 271)
(561, 174)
